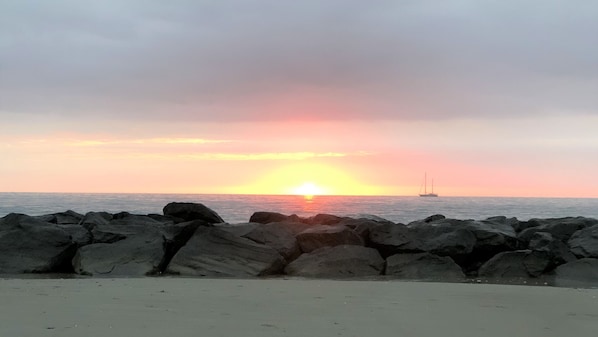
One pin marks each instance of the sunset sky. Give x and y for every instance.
(490, 98)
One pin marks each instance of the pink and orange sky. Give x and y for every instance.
(267, 97)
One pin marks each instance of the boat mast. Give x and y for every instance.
(426, 183)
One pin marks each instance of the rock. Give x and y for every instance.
(132, 245)
(28, 245)
(191, 211)
(324, 219)
(338, 261)
(267, 217)
(493, 235)
(468, 242)
(559, 228)
(584, 242)
(390, 239)
(557, 251)
(239, 229)
(135, 256)
(79, 234)
(362, 227)
(579, 273)
(423, 266)
(122, 227)
(64, 218)
(93, 219)
(445, 240)
(327, 236)
(515, 264)
(212, 251)
(277, 236)
(434, 217)
(371, 217)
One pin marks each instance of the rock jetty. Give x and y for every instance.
(190, 239)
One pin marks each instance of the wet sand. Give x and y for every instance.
(280, 307)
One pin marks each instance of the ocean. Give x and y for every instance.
(238, 208)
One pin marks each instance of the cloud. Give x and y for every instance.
(265, 60)
(267, 156)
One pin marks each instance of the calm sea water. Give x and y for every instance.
(238, 208)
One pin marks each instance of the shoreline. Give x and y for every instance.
(291, 307)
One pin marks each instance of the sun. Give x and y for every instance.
(308, 189)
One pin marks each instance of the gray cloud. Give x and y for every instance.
(225, 60)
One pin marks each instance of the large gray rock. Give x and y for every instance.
(123, 227)
(277, 236)
(92, 219)
(267, 217)
(423, 266)
(79, 234)
(338, 261)
(324, 219)
(214, 252)
(192, 211)
(559, 228)
(327, 236)
(29, 245)
(135, 256)
(390, 239)
(239, 229)
(63, 218)
(579, 273)
(132, 246)
(515, 265)
(556, 250)
(362, 226)
(584, 242)
(445, 240)
(468, 242)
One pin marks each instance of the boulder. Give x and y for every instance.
(434, 217)
(584, 242)
(29, 245)
(579, 273)
(135, 256)
(79, 234)
(281, 238)
(423, 266)
(338, 261)
(92, 219)
(362, 226)
(239, 229)
(213, 252)
(267, 217)
(324, 219)
(493, 235)
(132, 246)
(327, 236)
(191, 211)
(371, 217)
(515, 265)
(122, 227)
(390, 239)
(557, 251)
(468, 242)
(559, 228)
(64, 218)
(445, 240)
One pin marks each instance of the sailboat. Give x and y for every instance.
(426, 194)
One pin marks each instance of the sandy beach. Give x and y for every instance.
(282, 307)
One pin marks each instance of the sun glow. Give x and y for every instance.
(307, 179)
(308, 190)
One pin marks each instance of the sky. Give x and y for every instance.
(490, 98)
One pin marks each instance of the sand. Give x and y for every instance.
(170, 307)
